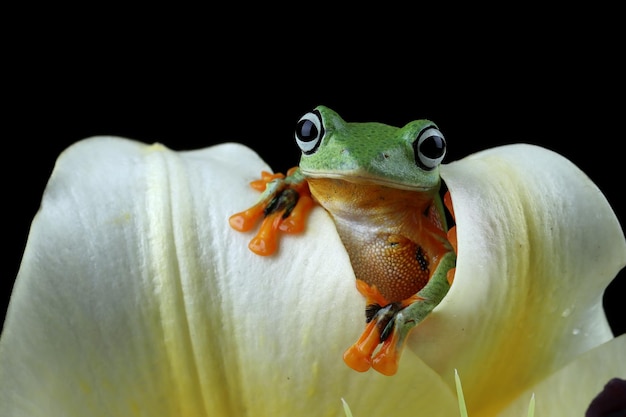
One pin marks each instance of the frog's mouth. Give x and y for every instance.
(360, 177)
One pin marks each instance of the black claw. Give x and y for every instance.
(371, 311)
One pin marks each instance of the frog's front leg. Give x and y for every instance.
(389, 325)
(283, 206)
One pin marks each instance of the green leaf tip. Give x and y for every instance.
(531, 406)
(459, 394)
(346, 408)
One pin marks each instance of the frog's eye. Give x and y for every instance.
(430, 148)
(309, 132)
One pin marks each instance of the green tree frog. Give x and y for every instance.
(380, 184)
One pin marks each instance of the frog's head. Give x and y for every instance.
(406, 157)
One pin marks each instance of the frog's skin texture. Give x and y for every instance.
(380, 184)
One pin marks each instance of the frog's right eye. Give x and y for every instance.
(309, 132)
(430, 148)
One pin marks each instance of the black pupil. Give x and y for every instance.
(432, 147)
(307, 130)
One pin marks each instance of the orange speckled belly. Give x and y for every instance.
(385, 233)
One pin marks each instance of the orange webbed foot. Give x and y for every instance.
(283, 207)
(381, 343)
(377, 345)
(247, 219)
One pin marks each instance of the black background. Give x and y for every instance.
(195, 86)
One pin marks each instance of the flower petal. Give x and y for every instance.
(135, 297)
(537, 245)
(570, 390)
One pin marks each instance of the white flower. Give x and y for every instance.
(136, 298)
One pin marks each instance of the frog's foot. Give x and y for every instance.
(380, 320)
(381, 344)
(388, 356)
(380, 323)
(283, 206)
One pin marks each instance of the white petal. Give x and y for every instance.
(570, 390)
(537, 246)
(136, 298)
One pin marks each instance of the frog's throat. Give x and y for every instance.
(368, 200)
(363, 177)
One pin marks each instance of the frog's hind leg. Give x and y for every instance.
(413, 311)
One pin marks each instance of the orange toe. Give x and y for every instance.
(266, 177)
(356, 359)
(266, 241)
(358, 356)
(387, 359)
(245, 220)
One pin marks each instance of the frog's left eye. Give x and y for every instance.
(430, 148)
(309, 132)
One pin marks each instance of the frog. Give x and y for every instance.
(381, 186)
